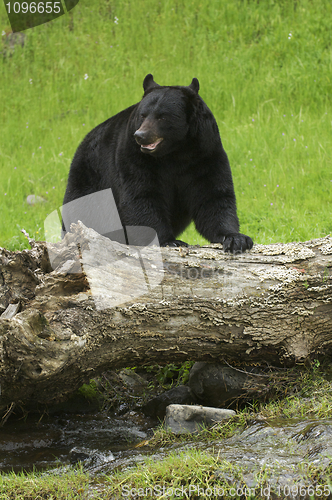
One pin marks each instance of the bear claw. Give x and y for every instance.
(237, 243)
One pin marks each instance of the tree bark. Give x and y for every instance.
(74, 309)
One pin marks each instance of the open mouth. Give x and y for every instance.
(151, 147)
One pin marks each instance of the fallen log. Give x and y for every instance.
(71, 310)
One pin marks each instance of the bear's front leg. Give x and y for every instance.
(216, 219)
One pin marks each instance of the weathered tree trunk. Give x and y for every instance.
(132, 306)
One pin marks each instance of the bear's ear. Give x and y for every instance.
(149, 83)
(194, 85)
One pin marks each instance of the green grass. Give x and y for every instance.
(265, 72)
(198, 474)
(39, 486)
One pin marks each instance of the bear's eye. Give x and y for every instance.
(161, 118)
(143, 115)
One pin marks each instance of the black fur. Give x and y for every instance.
(166, 166)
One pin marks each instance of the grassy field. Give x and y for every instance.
(265, 72)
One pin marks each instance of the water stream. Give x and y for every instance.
(103, 442)
(97, 440)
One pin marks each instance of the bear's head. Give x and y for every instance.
(163, 116)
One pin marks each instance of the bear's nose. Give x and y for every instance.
(140, 136)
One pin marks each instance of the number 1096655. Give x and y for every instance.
(33, 7)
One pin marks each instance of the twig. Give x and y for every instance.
(243, 371)
(7, 414)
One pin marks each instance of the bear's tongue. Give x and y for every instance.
(151, 146)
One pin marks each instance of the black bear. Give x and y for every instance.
(163, 164)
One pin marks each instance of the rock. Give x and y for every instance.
(182, 419)
(32, 199)
(77, 456)
(215, 384)
(132, 380)
(12, 40)
(156, 407)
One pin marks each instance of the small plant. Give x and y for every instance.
(171, 374)
(90, 391)
(326, 275)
